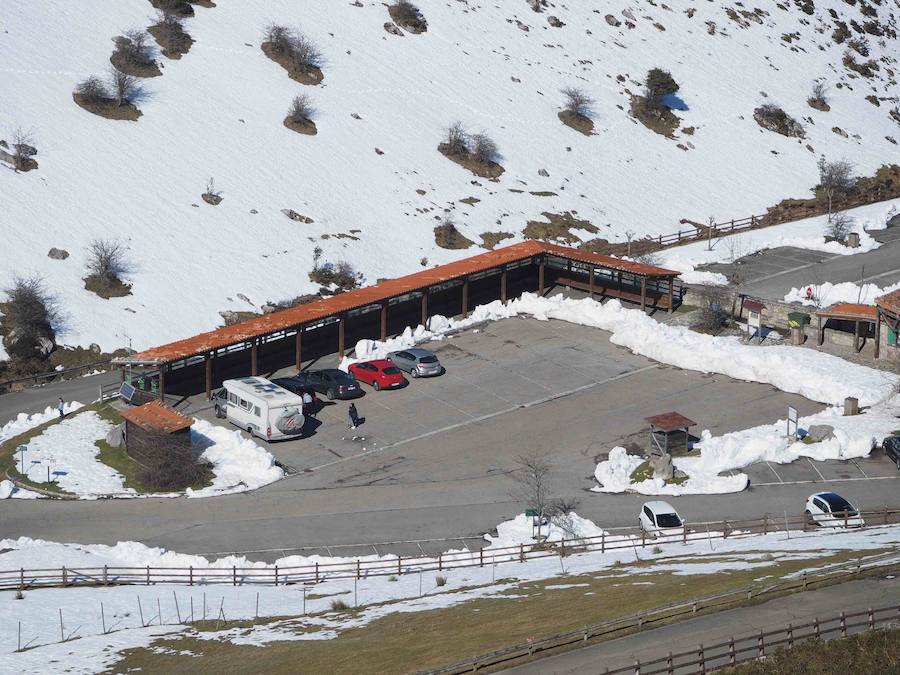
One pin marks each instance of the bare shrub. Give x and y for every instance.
(577, 102)
(819, 95)
(338, 605)
(179, 7)
(167, 465)
(92, 90)
(712, 317)
(836, 179)
(31, 318)
(107, 260)
(440, 580)
(859, 45)
(839, 226)
(406, 12)
(301, 109)
(532, 476)
(343, 276)
(305, 54)
(23, 150)
(280, 37)
(484, 149)
(134, 47)
(123, 85)
(456, 139)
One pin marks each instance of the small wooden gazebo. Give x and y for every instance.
(669, 433)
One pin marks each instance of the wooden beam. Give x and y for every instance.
(856, 336)
(341, 335)
(207, 362)
(643, 292)
(541, 276)
(671, 295)
(503, 286)
(465, 296)
(821, 331)
(877, 332)
(591, 283)
(298, 348)
(254, 357)
(425, 308)
(384, 310)
(162, 382)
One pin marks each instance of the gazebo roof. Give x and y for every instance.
(670, 421)
(753, 305)
(156, 416)
(849, 310)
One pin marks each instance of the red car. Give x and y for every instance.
(380, 373)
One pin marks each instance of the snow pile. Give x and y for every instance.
(520, 530)
(239, 464)
(808, 234)
(68, 450)
(815, 375)
(8, 490)
(25, 422)
(827, 294)
(854, 437)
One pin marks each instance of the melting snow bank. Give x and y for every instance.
(93, 651)
(854, 437)
(827, 294)
(24, 422)
(808, 234)
(815, 375)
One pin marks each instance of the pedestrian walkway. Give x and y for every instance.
(719, 627)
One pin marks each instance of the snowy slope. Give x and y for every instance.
(218, 111)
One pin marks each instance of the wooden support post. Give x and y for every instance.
(541, 276)
(877, 333)
(341, 322)
(162, 381)
(671, 295)
(384, 308)
(298, 348)
(643, 292)
(254, 357)
(503, 275)
(465, 297)
(207, 362)
(425, 308)
(856, 336)
(591, 283)
(820, 329)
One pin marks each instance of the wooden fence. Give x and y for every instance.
(313, 573)
(699, 232)
(708, 657)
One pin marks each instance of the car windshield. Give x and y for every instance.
(391, 370)
(668, 520)
(428, 359)
(837, 503)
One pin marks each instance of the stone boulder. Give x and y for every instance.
(115, 437)
(58, 253)
(663, 467)
(820, 432)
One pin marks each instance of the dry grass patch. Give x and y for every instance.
(169, 33)
(298, 57)
(447, 236)
(658, 119)
(490, 239)
(558, 228)
(108, 108)
(107, 288)
(181, 8)
(406, 15)
(489, 169)
(579, 123)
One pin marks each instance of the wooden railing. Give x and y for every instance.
(699, 231)
(620, 538)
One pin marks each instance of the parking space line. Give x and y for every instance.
(780, 479)
(815, 469)
(832, 480)
(482, 418)
(859, 467)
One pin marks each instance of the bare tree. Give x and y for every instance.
(317, 256)
(123, 86)
(456, 139)
(135, 48)
(31, 317)
(839, 226)
(23, 150)
(835, 179)
(532, 476)
(577, 102)
(301, 109)
(92, 90)
(280, 37)
(562, 515)
(106, 260)
(484, 149)
(819, 93)
(305, 53)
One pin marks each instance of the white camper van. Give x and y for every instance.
(262, 408)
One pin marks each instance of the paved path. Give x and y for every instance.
(37, 399)
(716, 628)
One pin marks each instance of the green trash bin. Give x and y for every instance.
(797, 319)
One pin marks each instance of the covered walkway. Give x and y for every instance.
(273, 341)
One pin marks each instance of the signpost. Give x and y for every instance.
(793, 421)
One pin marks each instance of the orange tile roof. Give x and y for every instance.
(361, 297)
(156, 416)
(670, 421)
(890, 302)
(848, 310)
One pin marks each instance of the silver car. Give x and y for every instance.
(417, 362)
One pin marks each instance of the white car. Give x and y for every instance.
(827, 509)
(660, 519)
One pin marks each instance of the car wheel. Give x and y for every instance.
(376, 386)
(329, 394)
(413, 372)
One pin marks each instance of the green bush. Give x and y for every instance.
(660, 83)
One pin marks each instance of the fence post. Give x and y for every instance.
(276, 575)
(317, 572)
(64, 577)
(562, 547)
(790, 636)
(816, 628)
(191, 575)
(603, 542)
(683, 532)
(843, 625)
(871, 619)
(234, 575)
(804, 579)
(399, 566)
(760, 645)
(481, 557)
(521, 553)
(702, 658)
(732, 656)
(440, 562)
(669, 669)
(885, 514)
(21, 578)
(148, 575)
(643, 538)
(724, 529)
(105, 575)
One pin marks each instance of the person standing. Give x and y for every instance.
(61, 407)
(308, 407)
(352, 416)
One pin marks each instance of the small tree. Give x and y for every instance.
(532, 476)
(123, 86)
(281, 38)
(659, 83)
(301, 109)
(305, 53)
(577, 102)
(456, 139)
(23, 150)
(317, 256)
(135, 48)
(819, 95)
(92, 90)
(839, 226)
(31, 315)
(106, 260)
(835, 179)
(484, 149)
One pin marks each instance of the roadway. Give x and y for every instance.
(433, 461)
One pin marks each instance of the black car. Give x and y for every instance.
(332, 382)
(892, 449)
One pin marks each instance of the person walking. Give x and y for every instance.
(308, 406)
(352, 416)
(61, 407)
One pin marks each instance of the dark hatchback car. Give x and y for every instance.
(331, 382)
(892, 449)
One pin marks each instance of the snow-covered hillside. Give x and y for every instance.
(373, 172)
